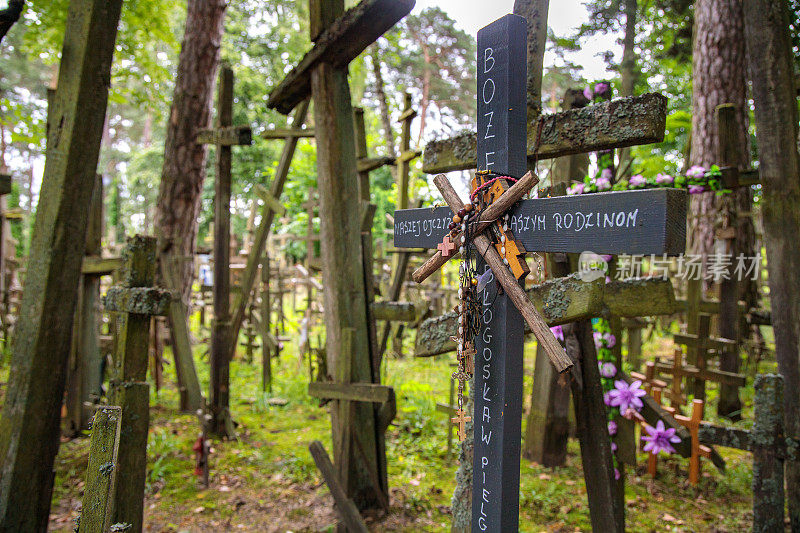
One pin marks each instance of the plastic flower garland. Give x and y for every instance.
(697, 180)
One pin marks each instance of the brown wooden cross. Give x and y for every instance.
(461, 421)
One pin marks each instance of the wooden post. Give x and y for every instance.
(729, 360)
(84, 379)
(29, 434)
(351, 519)
(266, 345)
(767, 437)
(101, 472)
(342, 254)
(135, 302)
(219, 393)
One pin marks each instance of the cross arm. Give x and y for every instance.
(138, 300)
(615, 124)
(555, 352)
(227, 136)
(354, 392)
(338, 45)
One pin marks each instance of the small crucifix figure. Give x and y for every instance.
(447, 247)
(461, 421)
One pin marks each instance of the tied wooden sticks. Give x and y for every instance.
(555, 352)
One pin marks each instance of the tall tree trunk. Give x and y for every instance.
(182, 176)
(718, 77)
(383, 104)
(719, 64)
(771, 71)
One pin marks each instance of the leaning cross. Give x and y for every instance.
(649, 221)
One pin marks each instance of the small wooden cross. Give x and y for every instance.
(446, 247)
(460, 420)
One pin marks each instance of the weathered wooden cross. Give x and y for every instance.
(650, 221)
(224, 136)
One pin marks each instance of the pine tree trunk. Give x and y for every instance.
(383, 105)
(628, 69)
(718, 71)
(182, 176)
(771, 71)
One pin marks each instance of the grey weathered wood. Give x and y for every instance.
(268, 213)
(283, 133)
(100, 265)
(337, 45)
(128, 387)
(344, 505)
(341, 247)
(138, 300)
(222, 332)
(395, 311)
(774, 89)
(29, 435)
(226, 136)
(727, 437)
(565, 300)
(768, 464)
(625, 122)
(354, 392)
(101, 471)
(190, 392)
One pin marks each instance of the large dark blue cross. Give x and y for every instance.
(634, 222)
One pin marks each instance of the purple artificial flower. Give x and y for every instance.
(617, 475)
(610, 339)
(612, 428)
(598, 340)
(607, 398)
(696, 172)
(613, 447)
(578, 188)
(601, 88)
(665, 179)
(696, 189)
(607, 174)
(607, 369)
(606, 258)
(637, 181)
(587, 92)
(558, 333)
(603, 184)
(626, 396)
(660, 439)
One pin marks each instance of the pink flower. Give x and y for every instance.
(637, 181)
(575, 189)
(598, 340)
(603, 184)
(617, 475)
(558, 333)
(607, 398)
(607, 369)
(607, 174)
(610, 339)
(660, 439)
(696, 172)
(665, 179)
(587, 92)
(612, 428)
(601, 88)
(696, 189)
(613, 447)
(626, 396)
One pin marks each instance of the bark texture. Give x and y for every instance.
(183, 173)
(774, 93)
(718, 77)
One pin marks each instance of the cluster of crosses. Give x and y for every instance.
(646, 222)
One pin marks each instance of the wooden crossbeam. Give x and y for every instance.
(283, 133)
(394, 311)
(345, 507)
(689, 339)
(338, 45)
(354, 392)
(728, 437)
(101, 266)
(227, 136)
(706, 374)
(273, 203)
(565, 300)
(138, 300)
(618, 123)
(373, 163)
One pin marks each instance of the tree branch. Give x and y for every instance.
(10, 15)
